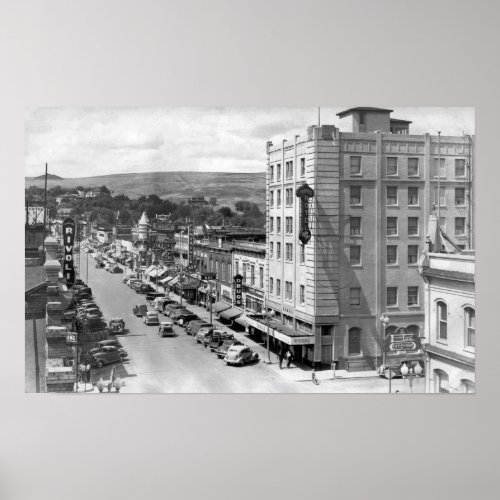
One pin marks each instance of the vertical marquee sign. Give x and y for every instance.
(191, 243)
(238, 282)
(69, 230)
(305, 193)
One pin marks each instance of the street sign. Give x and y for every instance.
(402, 340)
(208, 276)
(72, 338)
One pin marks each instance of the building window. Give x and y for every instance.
(289, 252)
(289, 169)
(223, 266)
(271, 198)
(261, 277)
(442, 196)
(302, 254)
(289, 225)
(442, 381)
(302, 167)
(392, 254)
(392, 195)
(278, 172)
(392, 226)
(278, 225)
(355, 296)
(244, 273)
(459, 226)
(459, 197)
(326, 330)
(355, 226)
(355, 255)
(271, 249)
(442, 316)
(413, 295)
(252, 275)
(467, 386)
(271, 173)
(412, 254)
(392, 165)
(470, 327)
(354, 341)
(278, 250)
(302, 289)
(459, 167)
(439, 166)
(362, 118)
(413, 196)
(412, 226)
(278, 287)
(278, 198)
(355, 165)
(412, 167)
(355, 195)
(271, 286)
(392, 296)
(288, 290)
(271, 225)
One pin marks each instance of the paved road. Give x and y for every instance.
(172, 364)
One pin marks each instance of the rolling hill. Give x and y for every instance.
(226, 187)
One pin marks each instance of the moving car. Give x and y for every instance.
(105, 355)
(166, 329)
(116, 325)
(151, 318)
(140, 309)
(217, 338)
(222, 350)
(240, 355)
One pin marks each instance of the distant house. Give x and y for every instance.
(64, 210)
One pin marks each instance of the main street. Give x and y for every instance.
(171, 364)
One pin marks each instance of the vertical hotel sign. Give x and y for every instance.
(304, 193)
(238, 283)
(69, 230)
(191, 243)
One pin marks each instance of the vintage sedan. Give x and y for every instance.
(105, 355)
(140, 309)
(240, 355)
(166, 329)
(217, 338)
(116, 325)
(151, 318)
(221, 351)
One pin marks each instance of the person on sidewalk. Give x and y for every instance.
(281, 356)
(289, 358)
(314, 379)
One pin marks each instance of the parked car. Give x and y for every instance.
(116, 270)
(143, 288)
(135, 284)
(151, 296)
(166, 329)
(140, 309)
(185, 318)
(151, 318)
(177, 313)
(92, 311)
(170, 308)
(108, 354)
(240, 355)
(116, 325)
(217, 338)
(161, 302)
(194, 326)
(204, 330)
(221, 351)
(109, 342)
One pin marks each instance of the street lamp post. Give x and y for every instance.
(411, 372)
(384, 321)
(269, 315)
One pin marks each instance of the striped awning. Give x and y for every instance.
(150, 268)
(166, 280)
(162, 272)
(173, 281)
(153, 273)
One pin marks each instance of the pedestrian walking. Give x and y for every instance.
(289, 358)
(280, 359)
(314, 379)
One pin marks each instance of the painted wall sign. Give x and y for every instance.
(305, 193)
(69, 234)
(35, 215)
(238, 282)
(402, 340)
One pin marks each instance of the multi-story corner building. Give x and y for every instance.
(344, 248)
(451, 322)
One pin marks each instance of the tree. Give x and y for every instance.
(104, 190)
(226, 212)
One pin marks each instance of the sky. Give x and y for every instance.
(83, 142)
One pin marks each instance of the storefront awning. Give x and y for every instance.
(162, 273)
(220, 306)
(173, 281)
(150, 268)
(153, 273)
(129, 260)
(242, 320)
(230, 313)
(202, 290)
(167, 279)
(285, 333)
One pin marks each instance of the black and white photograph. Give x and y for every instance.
(250, 250)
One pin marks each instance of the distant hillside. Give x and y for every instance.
(226, 187)
(42, 177)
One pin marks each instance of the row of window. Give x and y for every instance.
(288, 290)
(249, 269)
(392, 226)
(391, 296)
(392, 254)
(288, 198)
(469, 323)
(392, 167)
(288, 170)
(392, 198)
(288, 251)
(277, 227)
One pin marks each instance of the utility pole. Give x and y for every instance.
(45, 209)
(439, 185)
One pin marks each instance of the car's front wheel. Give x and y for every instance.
(100, 363)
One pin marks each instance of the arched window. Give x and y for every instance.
(354, 341)
(470, 327)
(390, 330)
(467, 386)
(442, 320)
(415, 329)
(441, 381)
